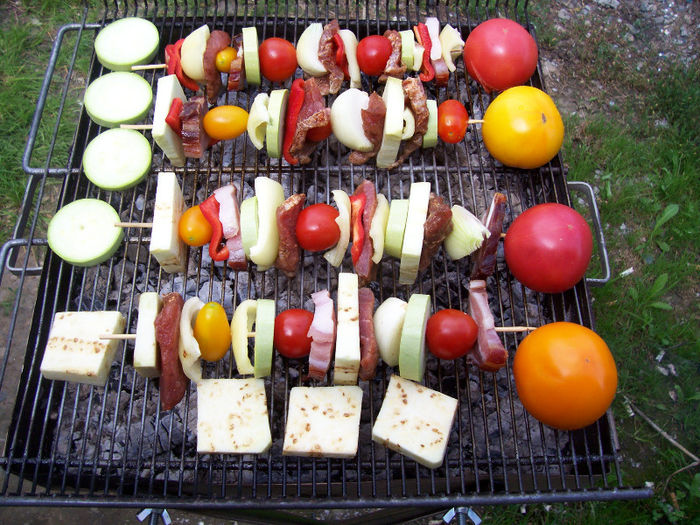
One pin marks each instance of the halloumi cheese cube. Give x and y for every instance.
(232, 417)
(415, 421)
(347, 340)
(166, 245)
(169, 88)
(146, 355)
(323, 421)
(75, 352)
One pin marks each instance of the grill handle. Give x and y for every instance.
(589, 196)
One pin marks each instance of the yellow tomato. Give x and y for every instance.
(225, 122)
(224, 59)
(194, 229)
(212, 332)
(522, 128)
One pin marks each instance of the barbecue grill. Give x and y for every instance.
(70, 444)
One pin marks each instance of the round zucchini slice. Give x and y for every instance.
(127, 42)
(117, 159)
(83, 233)
(118, 98)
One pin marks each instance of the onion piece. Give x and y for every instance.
(468, 233)
(452, 45)
(433, 25)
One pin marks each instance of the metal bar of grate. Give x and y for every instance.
(92, 446)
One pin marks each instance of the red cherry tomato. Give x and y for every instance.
(319, 134)
(548, 247)
(450, 333)
(278, 59)
(499, 54)
(452, 121)
(291, 327)
(373, 53)
(316, 227)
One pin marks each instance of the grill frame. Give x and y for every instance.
(580, 470)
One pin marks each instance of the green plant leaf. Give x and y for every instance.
(695, 486)
(658, 285)
(661, 306)
(669, 213)
(663, 246)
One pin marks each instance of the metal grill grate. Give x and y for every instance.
(77, 444)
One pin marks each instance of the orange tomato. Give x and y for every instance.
(193, 227)
(224, 59)
(565, 375)
(225, 122)
(212, 332)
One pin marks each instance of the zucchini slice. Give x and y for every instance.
(412, 344)
(126, 42)
(118, 98)
(117, 159)
(264, 336)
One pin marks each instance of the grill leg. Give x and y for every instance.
(462, 514)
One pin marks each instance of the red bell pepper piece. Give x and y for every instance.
(357, 207)
(427, 72)
(296, 101)
(172, 60)
(173, 119)
(340, 57)
(217, 246)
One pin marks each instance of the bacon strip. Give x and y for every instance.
(236, 72)
(369, 351)
(289, 253)
(365, 268)
(326, 55)
(488, 353)
(313, 114)
(418, 102)
(195, 140)
(218, 40)
(484, 261)
(394, 67)
(373, 126)
(322, 334)
(438, 225)
(230, 218)
(173, 381)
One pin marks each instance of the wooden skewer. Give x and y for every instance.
(142, 67)
(503, 235)
(134, 224)
(136, 126)
(120, 337)
(515, 329)
(474, 121)
(250, 334)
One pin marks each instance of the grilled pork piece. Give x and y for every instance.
(369, 351)
(484, 260)
(230, 218)
(442, 73)
(287, 215)
(488, 353)
(236, 72)
(394, 67)
(322, 334)
(326, 55)
(313, 114)
(365, 268)
(417, 100)
(373, 126)
(195, 140)
(173, 381)
(218, 40)
(438, 225)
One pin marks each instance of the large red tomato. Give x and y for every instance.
(278, 59)
(499, 54)
(548, 247)
(372, 53)
(565, 375)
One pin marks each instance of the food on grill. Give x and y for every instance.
(188, 345)
(347, 345)
(522, 128)
(264, 337)
(415, 421)
(393, 66)
(418, 201)
(195, 139)
(395, 227)
(316, 227)
(173, 63)
(212, 332)
(336, 254)
(232, 417)
(225, 122)
(274, 132)
(192, 53)
(369, 352)
(289, 254)
(412, 343)
(450, 333)
(416, 118)
(211, 208)
(565, 375)
(236, 72)
(323, 422)
(307, 50)
(241, 325)
(166, 245)
(488, 353)
(548, 247)
(258, 119)
(431, 136)
(291, 333)
(218, 41)
(118, 98)
(438, 225)
(251, 61)
(146, 354)
(408, 46)
(433, 26)
(328, 46)
(75, 350)
(499, 54)
(388, 324)
(467, 235)
(363, 204)
(306, 111)
(452, 121)
(270, 196)
(249, 224)
(322, 333)
(173, 381)
(83, 232)
(126, 42)
(373, 53)
(224, 57)
(484, 262)
(278, 59)
(350, 60)
(373, 126)
(168, 140)
(393, 97)
(229, 216)
(105, 164)
(378, 228)
(348, 122)
(452, 46)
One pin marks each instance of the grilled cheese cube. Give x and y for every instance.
(146, 355)
(415, 421)
(347, 340)
(75, 352)
(166, 245)
(232, 417)
(323, 421)
(169, 89)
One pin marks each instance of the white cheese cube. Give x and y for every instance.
(75, 352)
(146, 356)
(166, 245)
(323, 421)
(415, 421)
(347, 340)
(232, 417)
(169, 88)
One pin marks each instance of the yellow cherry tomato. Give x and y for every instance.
(194, 229)
(225, 122)
(224, 59)
(522, 128)
(212, 332)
